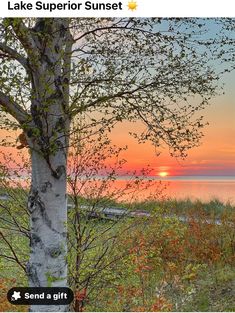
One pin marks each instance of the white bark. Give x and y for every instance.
(47, 266)
(47, 204)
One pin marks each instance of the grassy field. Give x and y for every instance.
(155, 263)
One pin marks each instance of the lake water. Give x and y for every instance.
(204, 188)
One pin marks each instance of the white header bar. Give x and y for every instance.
(117, 8)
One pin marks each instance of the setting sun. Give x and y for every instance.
(163, 174)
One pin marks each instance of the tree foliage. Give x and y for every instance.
(116, 69)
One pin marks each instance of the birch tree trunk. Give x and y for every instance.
(48, 137)
(47, 266)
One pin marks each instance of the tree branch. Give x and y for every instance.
(11, 53)
(125, 27)
(13, 252)
(111, 97)
(13, 108)
(24, 34)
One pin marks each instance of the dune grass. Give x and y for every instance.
(151, 264)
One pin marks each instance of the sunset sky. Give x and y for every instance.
(215, 156)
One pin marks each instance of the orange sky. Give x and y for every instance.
(216, 155)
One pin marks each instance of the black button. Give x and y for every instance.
(40, 295)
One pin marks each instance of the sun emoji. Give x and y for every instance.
(132, 5)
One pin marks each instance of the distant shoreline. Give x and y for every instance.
(182, 178)
(158, 178)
